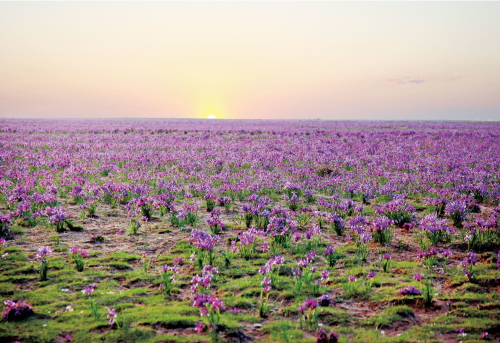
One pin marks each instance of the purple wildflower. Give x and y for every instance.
(111, 315)
(89, 289)
(409, 290)
(418, 276)
(325, 337)
(324, 300)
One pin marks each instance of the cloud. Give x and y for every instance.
(419, 80)
(406, 80)
(416, 81)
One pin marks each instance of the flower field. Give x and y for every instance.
(249, 231)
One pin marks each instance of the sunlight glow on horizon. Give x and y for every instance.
(304, 60)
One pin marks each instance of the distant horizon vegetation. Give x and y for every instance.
(270, 120)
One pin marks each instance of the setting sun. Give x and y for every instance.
(212, 116)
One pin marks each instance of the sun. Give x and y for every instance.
(212, 116)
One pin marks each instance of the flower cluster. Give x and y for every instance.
(214, 222)
(268, 267)
(468, 263)
(309, 303)
(111, 315)
(16, 310)
(89, 289)
(247, 240)
(56, 214)
(498, 260)
(208, 304)
(4, 227)
(398, 210)
(309, 317)
(324, 300)
(43, 252)
(78, 256)
(380, 230)
(457, 210)
(436, 229)
(409, 290)
(337, 223)
(168, 276)
(203, 240)
(142, 206)
(322, 336)
(205, 280)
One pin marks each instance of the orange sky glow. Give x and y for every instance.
(250, 60)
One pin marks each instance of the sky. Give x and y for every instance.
(251, 60)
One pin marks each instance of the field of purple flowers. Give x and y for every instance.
(249, 231)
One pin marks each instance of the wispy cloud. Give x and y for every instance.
(419, 80)
(406, 80)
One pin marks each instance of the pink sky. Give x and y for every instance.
(250, 60)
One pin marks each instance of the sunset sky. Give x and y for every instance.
(251, 60)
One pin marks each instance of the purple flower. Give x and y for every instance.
(418, 276)
(309, 303)
(303, 263)
(111, 315)
(43, 251)
(56, 214)
(16, 310)
(380, 224)
(203, 300)
(446, 252)
(203, 240)
(273, 261)
(311, 256)
(458, 207)
(409, 290)
(351, 278)
(467, 273)
(371, 274)
(266, 281)
(498, 260)
(365, 237)
(89, 289)
(324, 300)
(178, 261)
(470, 259)
(296, 237)
(330, 250)
(324, 337)
(199, 327)
(432, 223)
